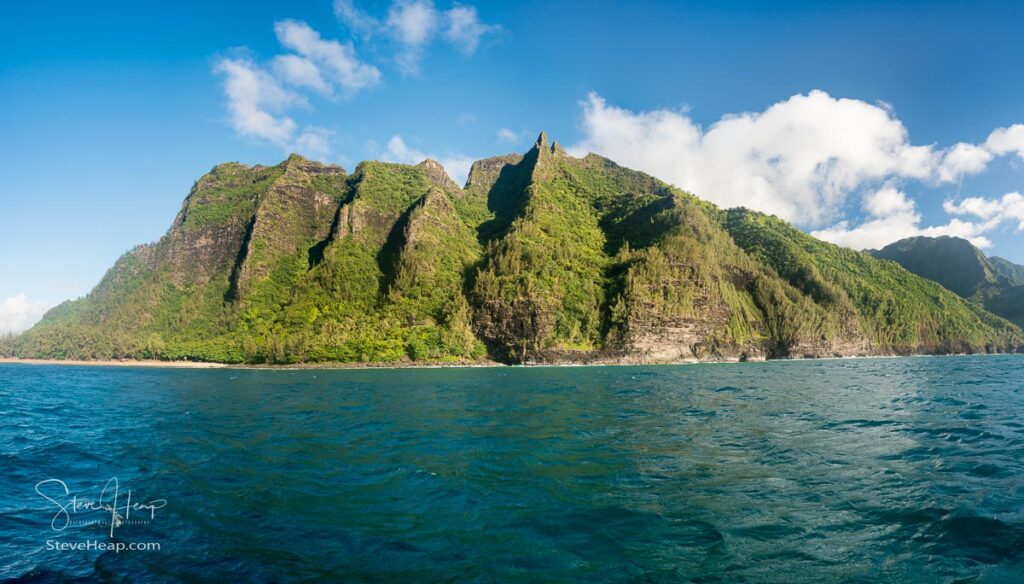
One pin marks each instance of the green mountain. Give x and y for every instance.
(538, 258)
(953, 262)
(994, 283)
(1013, 273)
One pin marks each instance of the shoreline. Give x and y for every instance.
(118, 363)
(153, 363)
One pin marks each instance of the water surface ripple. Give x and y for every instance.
(908, 470)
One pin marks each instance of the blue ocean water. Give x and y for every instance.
(908, 470)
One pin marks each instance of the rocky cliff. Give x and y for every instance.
(538, 258)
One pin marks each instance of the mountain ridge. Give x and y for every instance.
(993, 283)
(540, 257)
(1014, 273)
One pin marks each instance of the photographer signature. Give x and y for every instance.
(56, 491)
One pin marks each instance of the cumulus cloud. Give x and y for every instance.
(457, 166)
(19, 313)
(1010, 207)
(963, 159)
(1007, 140)
(893, 216)
(803, 158)
(798, 159)
(887, 201)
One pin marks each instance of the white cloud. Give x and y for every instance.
(18, 313)
(256, 101)
(966, 159)
(300, 72)
(892, 217)
(887, 201)
(260, 99)
(457, 166)
(337, 62)
(413, 24)
(356, 20)
(1007, 140)
(465, 29)
(961, 160)
(465, 119)
(1008, 208)
(798, 159)
(802, 158)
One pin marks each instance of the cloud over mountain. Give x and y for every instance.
(802, 159)
(18, 313)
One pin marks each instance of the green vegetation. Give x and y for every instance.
(542, 257)
(993, 283)
(950, 261)
(896, 309)
(1013, 273)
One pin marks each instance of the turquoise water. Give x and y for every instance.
(848, 470)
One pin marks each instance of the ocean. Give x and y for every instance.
(903, 469)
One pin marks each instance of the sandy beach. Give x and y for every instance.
(115, 363)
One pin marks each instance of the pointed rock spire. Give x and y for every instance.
(542, 141)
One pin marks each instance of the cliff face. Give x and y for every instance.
(539, 258)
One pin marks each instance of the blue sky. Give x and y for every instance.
(860, 122)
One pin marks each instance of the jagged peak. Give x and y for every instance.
(539, 160)
(437, 174)
(542, 147)
(542, 142)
